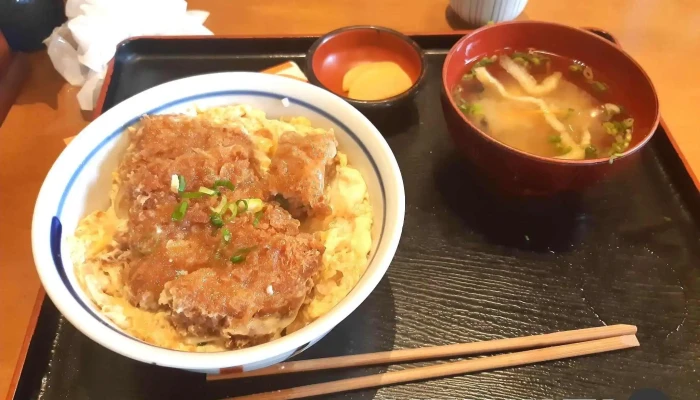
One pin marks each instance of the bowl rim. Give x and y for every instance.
(551, 160)
(388, 101)
(100, 131)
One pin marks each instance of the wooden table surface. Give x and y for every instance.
(660, 34)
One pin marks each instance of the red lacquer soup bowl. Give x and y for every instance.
(519, 172)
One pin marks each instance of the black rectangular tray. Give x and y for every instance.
(471, 266)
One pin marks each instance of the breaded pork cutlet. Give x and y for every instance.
(243, 276)
(300, 169)
(260, 294)
(164, 146)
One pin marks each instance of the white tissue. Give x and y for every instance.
(81, 48)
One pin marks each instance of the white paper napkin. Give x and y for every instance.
(81, 48)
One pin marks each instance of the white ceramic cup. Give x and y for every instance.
(480, 12)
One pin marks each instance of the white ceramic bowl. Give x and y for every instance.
(79, 182)
(480, 12)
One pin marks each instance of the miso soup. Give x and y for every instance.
(544, 104)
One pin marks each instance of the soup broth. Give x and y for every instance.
(544, 104)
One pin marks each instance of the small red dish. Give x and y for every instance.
(335, 53)
(524, 173)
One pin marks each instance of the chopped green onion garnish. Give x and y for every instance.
(237, 259)
(468, 77)
(628, 123)
(542, 56)
(599, 86)
(620, 126)
(485, 61)
(180, 183)
(243, 207)
(222, 205)
(180, 211)
(216, 220)
(225, 183)
(226, 235)
(554, 139)
(240, 254)
(471, 108)
(575, 67)
(173, 183)
(233, 208)
(591, 151)
(191, 195)
(610, 128)
(566, 114)
(254, 205)
(258, 215)
(520, 60)
(207, 191)
(613, 157)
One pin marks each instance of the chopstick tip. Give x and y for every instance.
(630, 340)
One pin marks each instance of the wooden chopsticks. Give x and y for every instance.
(563, 345)
(435, 352)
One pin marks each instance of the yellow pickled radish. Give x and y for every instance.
(353, 73)
(377, 81)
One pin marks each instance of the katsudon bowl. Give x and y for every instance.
(80, 180)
